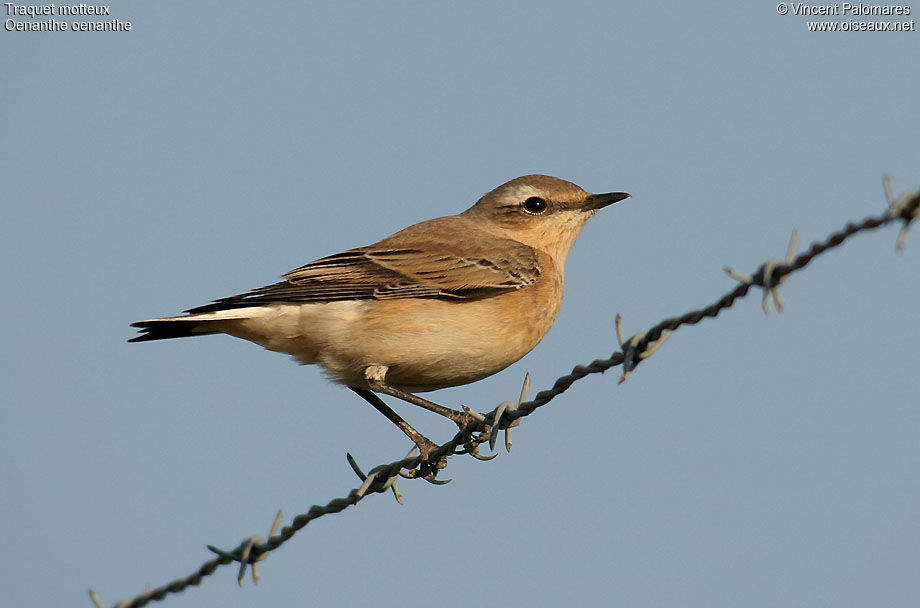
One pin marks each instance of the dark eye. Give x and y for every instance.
(535, 205)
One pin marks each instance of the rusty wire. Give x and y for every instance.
(768, 277)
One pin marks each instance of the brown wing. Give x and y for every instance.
(435, 270)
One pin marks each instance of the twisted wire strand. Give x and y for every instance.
(767, 277)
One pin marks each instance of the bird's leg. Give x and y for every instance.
(424, 444)
(462, 419)
(375, 379)
(428, 470)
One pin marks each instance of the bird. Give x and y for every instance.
(442, 303)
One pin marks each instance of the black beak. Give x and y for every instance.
(599, 201)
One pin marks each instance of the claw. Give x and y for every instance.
(474, 452)
(427, 469)
(437, 482)
(428, 475)
(412, 453)
(479, 456)
(471, 446)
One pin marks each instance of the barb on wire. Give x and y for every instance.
(904, 208)
(507, 406)
(631, 355)
(769, 276)
(391, 482)
(766, 277)
(244, 553)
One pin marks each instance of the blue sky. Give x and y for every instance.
(754, 460)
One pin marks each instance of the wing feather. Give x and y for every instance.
(446, 270)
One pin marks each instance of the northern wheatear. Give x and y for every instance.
(441, 303)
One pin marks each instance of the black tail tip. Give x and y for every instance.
(164, 330)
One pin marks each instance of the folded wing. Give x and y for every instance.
(443, 270)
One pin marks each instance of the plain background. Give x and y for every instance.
(755, 461)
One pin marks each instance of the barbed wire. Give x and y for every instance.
(382, 478)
